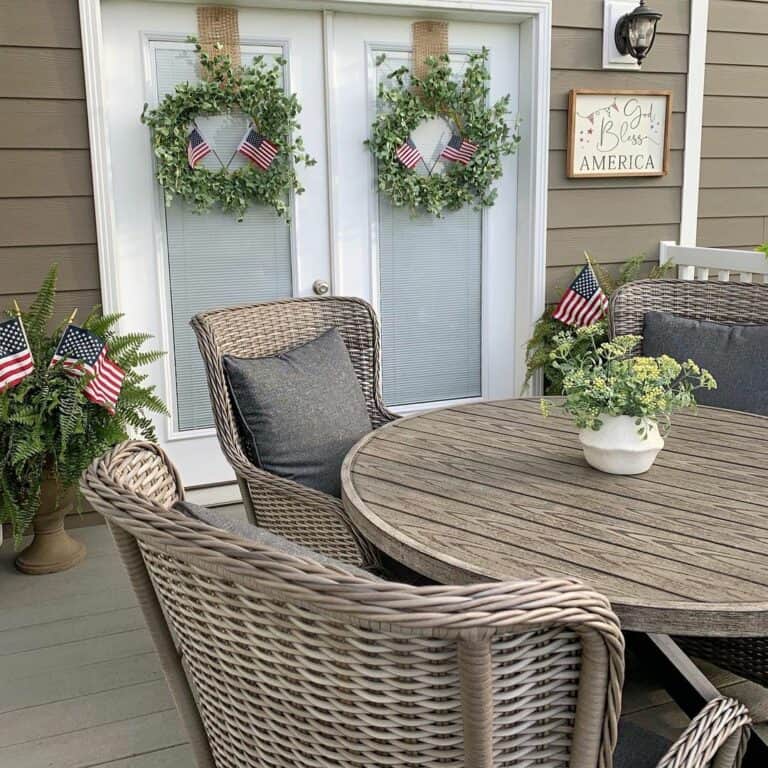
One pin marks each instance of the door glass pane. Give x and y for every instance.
(213, 260)
(430, 286)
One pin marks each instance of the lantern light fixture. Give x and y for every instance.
(635, 32)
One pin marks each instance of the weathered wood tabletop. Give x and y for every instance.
(497, 491)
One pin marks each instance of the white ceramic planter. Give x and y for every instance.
(618, 449)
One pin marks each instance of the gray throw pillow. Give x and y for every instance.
(261, 536)
(736, 355)
(301, 411)
(637, 747)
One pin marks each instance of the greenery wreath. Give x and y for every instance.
(254, 90)
(464, 104)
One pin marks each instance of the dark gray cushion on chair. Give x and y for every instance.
(638, 747)
(300, 411)
(252, 532)
(736, 355)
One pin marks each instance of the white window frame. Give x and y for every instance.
(535, 19)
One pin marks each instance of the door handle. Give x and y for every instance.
(321, 287)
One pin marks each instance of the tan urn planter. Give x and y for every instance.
(52, 549)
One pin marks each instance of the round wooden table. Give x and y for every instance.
(497, 491)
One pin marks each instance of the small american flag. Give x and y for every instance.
(197, 147)
(16, 361)
(258, 149)
(82, 353)
(459, 150)
(408, 155)
(584, 302)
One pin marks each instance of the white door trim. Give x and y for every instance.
(694, 116)
(535, 17)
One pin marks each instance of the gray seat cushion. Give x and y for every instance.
(252, 532)
(637, 747)
(301, 411)
(736, 355)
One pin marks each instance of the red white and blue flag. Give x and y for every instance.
(408, 155)
(82, 353)
(258, 149)
(197, 147)
(16, 361)
(584, 302)
(459, 150)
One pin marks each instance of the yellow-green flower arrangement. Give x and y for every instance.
(604, 378)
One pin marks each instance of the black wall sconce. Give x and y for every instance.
(635, 32)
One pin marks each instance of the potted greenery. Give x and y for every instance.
(52, 425)
(541, 344)
(621, 403)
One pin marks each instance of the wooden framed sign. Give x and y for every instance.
(618, 133)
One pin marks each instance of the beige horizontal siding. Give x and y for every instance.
(734, 232)
(78, 266)
(47, 221)
(608, 207)
(608, 244)
(44, 172)
(39, 23)
(575, 48)
(564, 80)
(733, 199)
(734, 142)
(735, 112)
(717, 173)
(738, 16)
(41, 73)
(616, 218)
(589, 14)
(46, 204)
(733, 202)
(736, 48)
(49, 123)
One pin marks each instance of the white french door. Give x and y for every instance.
(444, 288)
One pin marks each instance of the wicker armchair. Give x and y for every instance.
(720, 302)
(279, 661)
(310, 517)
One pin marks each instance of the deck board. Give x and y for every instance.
(86, 686)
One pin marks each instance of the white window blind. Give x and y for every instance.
(430, 283)
(214, 261)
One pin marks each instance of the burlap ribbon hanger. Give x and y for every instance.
(218, 26)
(430, 38)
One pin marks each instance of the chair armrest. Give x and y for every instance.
(304, 515)
(722, 725)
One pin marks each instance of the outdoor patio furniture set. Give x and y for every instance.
(292, 644)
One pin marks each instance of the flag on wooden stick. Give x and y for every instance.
(258, 149)
(408, 155)
(197, 147)
(82, 353)
(459, 150)
(584, 302)
(16, 361)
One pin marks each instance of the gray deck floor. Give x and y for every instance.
(80, 685)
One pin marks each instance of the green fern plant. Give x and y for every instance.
(46, 422)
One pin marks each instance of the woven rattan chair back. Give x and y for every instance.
(294, 664)
(258, 330)
(695, 299)
(719, 302)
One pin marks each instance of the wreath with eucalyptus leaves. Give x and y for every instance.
(481, 136)
(257, 92)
